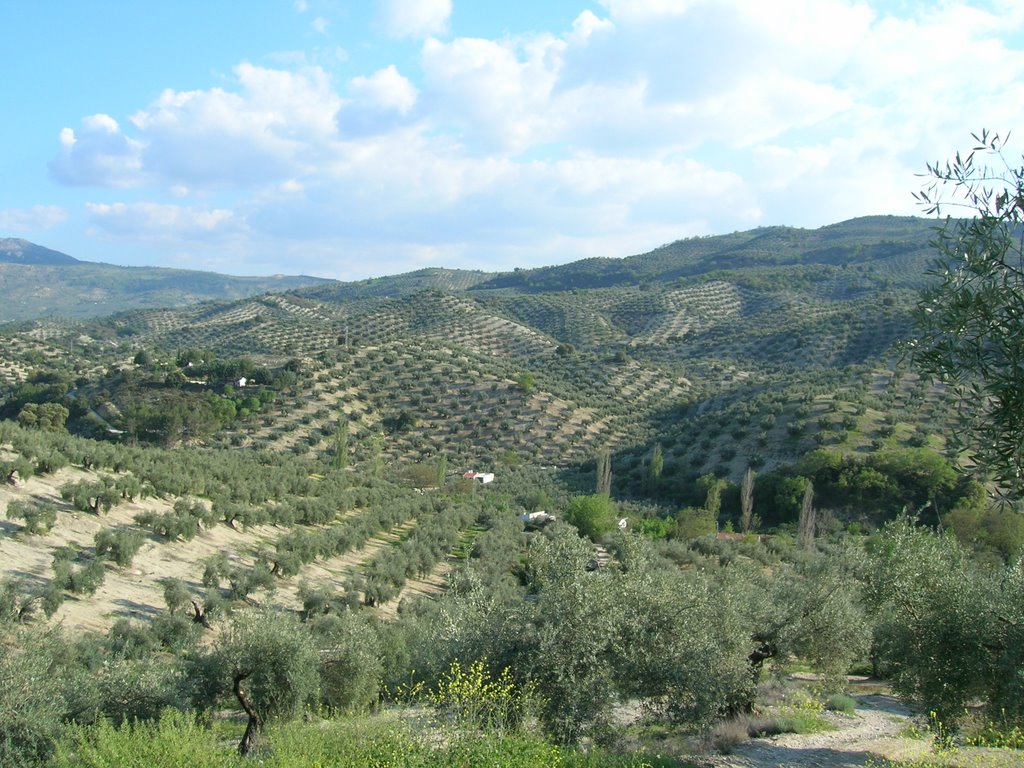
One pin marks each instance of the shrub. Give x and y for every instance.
(593, 515)
(120, 545)
(39, 518)
(175, 740)
(840, 702)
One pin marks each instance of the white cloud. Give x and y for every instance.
(415, 18)
(153, 221)
(659, 120)
(385, 89)
(278, 123)
(497, 93)
(99, 154)
(587, 24)
(644, 10)
(29, 219)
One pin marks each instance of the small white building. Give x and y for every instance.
(536, 518)
(480, 477)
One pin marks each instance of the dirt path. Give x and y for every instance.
(872, 732)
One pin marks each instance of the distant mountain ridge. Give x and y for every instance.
(14, 250)
(37, 282)
(40, 282)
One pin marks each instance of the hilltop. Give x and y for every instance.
(18, 251)
(39, 282)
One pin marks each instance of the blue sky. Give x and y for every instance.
(354, 139)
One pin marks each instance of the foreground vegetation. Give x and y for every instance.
(542, 634)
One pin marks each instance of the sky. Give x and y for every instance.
(357, 138)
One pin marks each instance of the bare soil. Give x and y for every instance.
(877, 731)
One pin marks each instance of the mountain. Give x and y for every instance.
(40, 282)
(16, 251)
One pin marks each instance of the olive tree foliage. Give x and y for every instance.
(687, 643)
(351, 664)
(119, 545)
(569, 635)
(950, 630)
(39, 518)
(18, 600)
(683, 638)
(971, 320)
(811, 608)
(33, 696)
(267, 662)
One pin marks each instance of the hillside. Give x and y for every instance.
(381, 483)
(38, 282)
(17, 251)
(734, 351)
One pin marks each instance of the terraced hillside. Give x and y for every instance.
(553, 365)
(319, 436)
(726, 369)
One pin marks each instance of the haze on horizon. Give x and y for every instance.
(358, 139)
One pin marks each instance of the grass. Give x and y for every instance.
(798, 713)
(178, 741)
(840, 702)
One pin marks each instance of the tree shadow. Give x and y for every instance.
(812, 757)
(134, 609)
(29, 578)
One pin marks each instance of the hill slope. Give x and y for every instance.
(711, 347)
(16, 251)
(39, 282)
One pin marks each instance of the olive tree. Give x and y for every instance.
(268, 663)
(971, 320)
(950, 630)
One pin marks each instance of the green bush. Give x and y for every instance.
(174, 741)
(120, 545)
(840, 702)
(39, 518)
(593, 515)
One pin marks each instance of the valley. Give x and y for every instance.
(292, 465)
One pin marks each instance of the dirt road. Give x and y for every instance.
(872, 732)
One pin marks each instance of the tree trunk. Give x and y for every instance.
(200, 617)
(255, 725)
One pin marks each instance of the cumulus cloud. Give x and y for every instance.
(385, 89)
(29, 219)
(497, 93)
(276, 124)
(642, 122)
(414, 18)
(154, 221)
(98, 154)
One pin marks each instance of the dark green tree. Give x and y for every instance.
(268, 663)
(971, 320)
(593, 516)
